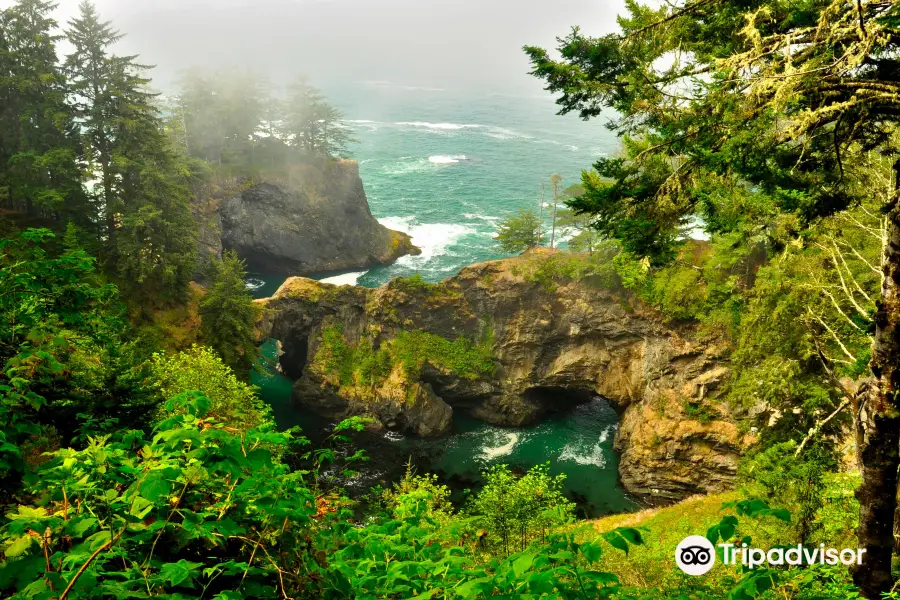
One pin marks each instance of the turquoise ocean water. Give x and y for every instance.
(444, 167)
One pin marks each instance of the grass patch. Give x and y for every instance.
(363, 365)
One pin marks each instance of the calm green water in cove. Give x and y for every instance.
(445, 167)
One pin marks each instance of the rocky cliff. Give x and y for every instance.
(510, 341)
(311, 219)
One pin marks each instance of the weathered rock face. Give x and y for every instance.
(316, 220)
(552, 342)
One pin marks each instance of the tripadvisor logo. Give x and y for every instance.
(696, 555)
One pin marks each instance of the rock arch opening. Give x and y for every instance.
(558, 399)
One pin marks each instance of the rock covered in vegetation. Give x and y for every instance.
(509, 342)
(311, 219)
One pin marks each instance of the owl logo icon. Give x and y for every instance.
(695, 555)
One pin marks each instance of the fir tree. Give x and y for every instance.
(519, 232)
(228, 314)
(149, 232)
(39, 170)
(312, 124)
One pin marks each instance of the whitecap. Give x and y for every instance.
(480, 217)
(438, 126)
(446, 160)
(491, 452)
(583, 456)
(344, 279)
(359, 121)
(254, 284)
(406, 166)
(433, 239)
(501, 133)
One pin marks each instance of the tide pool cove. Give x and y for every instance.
(445, 169)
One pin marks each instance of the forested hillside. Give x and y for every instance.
(136, 460)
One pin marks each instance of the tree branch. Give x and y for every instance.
(818, 426)
(88, 563)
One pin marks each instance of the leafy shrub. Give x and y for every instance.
(514, 511)
(363, 365)
(233, 403)
(198, 511)
(195, 509)
(789, 480)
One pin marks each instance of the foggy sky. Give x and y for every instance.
(459, 44)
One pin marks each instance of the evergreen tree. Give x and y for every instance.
(39, 170)
(228, 314)
(555, 180)
(148, 230)
(311, 124)
(771, 95)
(198, 108)
(519, 232)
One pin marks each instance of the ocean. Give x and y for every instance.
(445, 167)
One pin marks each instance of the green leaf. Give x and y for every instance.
(80, 525)
(616, 541)
(177, 573)
(19, 546)
(140, 507)
(600, 577)
(522, 564)
(98, 540)
(592, 551)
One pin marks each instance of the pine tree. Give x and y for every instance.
(519, 232)
(39, 170)
(228, 314)
(555, 180)
(312, 125)
(148, 230)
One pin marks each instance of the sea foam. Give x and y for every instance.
(489, 453)
(445, 160)
(344, 278)
(254, 284)
(585, 453)
(433, 239)
(438, 126)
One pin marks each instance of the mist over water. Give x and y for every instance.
(445, 166)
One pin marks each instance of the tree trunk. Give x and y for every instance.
(541, 219)
(880, 425)
(553, 235)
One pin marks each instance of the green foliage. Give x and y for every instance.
(363, 365)
(64, 359)
(312, 124)
(426, 488)
(518, 232)
(197, 511)
(460, 356)
(39, 143)
(184, 512)
(789, 480)
(228, 314)
(200, 369)
(613, 195)
(549, 270)
(147, 233)
(414, 283)
(514, 511)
